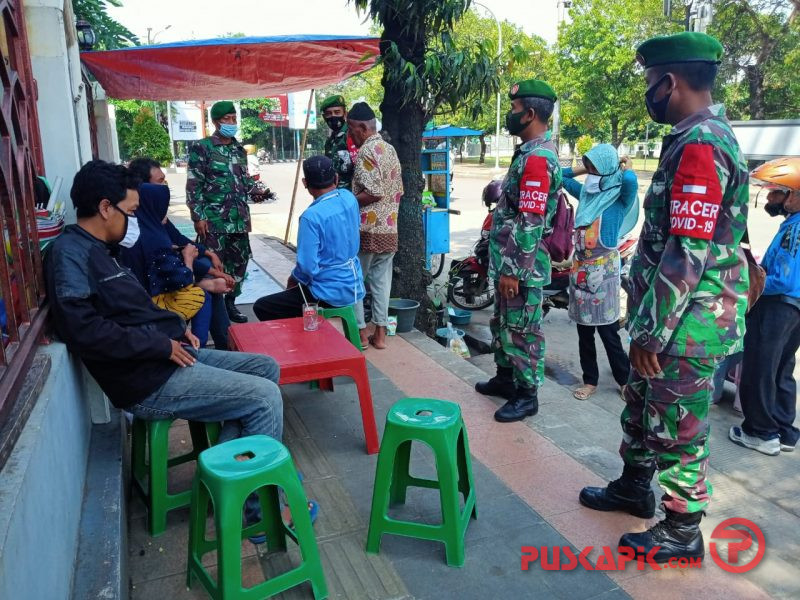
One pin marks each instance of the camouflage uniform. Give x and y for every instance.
(336, 149)
(217, 188)
(518, 226)
(689, 294)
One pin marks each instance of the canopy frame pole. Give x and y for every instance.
(297, 172)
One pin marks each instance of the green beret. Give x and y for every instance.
(222, 108)
(689, 46)
(335, 100)
(532, 88)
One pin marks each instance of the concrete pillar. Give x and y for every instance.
(105, 121)
(63, 114)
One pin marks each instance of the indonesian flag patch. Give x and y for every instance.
(534, 187)
(696, 194)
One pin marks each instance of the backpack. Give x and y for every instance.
(559, 242)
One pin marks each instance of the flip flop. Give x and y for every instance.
(584, 392)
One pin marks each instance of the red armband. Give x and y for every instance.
(534, 187)
(696, 196)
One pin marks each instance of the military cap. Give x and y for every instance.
(361, 111)
(532, 88)
(685, 47)
(222, 108)
(335, 100)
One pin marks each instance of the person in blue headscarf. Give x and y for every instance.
(167, 264)
(608, 208)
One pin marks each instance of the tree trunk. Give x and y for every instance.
(405, 124)
(615, 141)
(483, 148)
(755, 84)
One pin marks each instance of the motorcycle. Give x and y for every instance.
(471, 288)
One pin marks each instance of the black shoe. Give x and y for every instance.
(233, 312)
(501, 385)
(525, 404)
(630, 493)
(677, 536)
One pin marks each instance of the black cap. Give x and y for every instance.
(361, 111)
(318, 171)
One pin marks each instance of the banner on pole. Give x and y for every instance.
(186, 123)
(278, 111)
(298, 104)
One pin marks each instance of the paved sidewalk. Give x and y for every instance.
(527, 477)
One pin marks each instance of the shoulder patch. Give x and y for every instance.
(534, 186)
(696, 194)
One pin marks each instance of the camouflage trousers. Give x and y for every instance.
(666, 420)
(233, 250)
(517, 338)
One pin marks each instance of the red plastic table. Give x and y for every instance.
(311, 356)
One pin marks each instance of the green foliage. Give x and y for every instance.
(758, 77)
(110, 34)
(147, 137)
(584, 144)
(253, 129)
(600, 85)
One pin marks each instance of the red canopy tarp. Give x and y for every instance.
(230, 68)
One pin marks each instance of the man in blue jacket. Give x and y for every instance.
(768, 389)
(328, 271)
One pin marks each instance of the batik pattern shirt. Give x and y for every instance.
(689, 277)
(378, 173)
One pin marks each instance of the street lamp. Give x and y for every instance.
(85, 35)
(499, 53)
(152, 39)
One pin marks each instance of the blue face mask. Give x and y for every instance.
(228, 129)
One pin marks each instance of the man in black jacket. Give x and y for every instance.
(143, 357)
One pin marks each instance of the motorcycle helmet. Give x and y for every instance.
(781, 173)
(492, 192)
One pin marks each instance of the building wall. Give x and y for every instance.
(63, 113)
(41, 488)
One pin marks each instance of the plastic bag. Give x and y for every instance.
(456, 343)
(391, 328)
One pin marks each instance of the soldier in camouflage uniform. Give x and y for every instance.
(689, 284)
(519, 265)
(339, 147)
(217, 189)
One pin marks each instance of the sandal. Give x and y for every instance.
(584, 392)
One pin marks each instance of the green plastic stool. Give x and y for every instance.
(439, 424)
(348, 316)
(227, 482)
(150, 464)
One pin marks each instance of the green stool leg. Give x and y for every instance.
(465, 480)
(228, 522)
(349, 324)
(401, 474)
(139, 450)
(381, 491)
(158, 463)
(447, 473)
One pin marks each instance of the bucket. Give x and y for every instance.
(406, 311)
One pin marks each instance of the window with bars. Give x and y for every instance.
(22, 314)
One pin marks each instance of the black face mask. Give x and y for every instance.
(657, 108)
(335, 123)
(775, 210)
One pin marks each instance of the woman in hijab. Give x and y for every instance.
(608, 209)
(167, 264)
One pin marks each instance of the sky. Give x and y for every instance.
(194, 19)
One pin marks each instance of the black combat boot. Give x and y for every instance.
(630, 493)
(525, 404)
(501, 384)
(677, 536)
(233, 312)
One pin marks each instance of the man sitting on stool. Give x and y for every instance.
(328, 271)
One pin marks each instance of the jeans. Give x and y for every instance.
(285, 304)
(220, 322)
(768, 389)
(239, 389)
(377, 270)
(617, 359)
